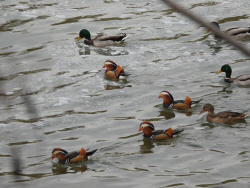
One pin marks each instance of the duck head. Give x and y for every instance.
(227, 69)
(84, 33)
(168, 99)
(58, 154)
(145, 125)
(207, 108)
(215, 24)
(110, 65)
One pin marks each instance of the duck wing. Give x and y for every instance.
(160, 134)
(236, 31)
(157, 132)
(178, 101)
(182, 101)
(113, 38)
(243, 79)
(71, 155)
(228, 114)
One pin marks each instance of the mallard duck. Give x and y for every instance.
(222, 117)
(242, 79)
(62, 156)
(149, 131)
(102, 40)
(168, 101)
(237, 33)
(113, 70)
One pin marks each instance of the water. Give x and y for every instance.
(73, 105)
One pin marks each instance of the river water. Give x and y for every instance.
(54, 94)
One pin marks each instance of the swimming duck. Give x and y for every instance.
(222, 117)
(242, 79)
(237, 33)
(113, 70)
(102, 40)
(149, 131)
(168, 101)
(62, 156)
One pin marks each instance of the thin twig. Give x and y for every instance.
(209, 26)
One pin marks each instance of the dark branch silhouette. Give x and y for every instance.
(216, 31)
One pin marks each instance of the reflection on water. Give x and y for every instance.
(111, 87)
(108, 51)
(115, 83)
(236, 124)
(215, 45)
(169, 113)
(58, 169)
(78, 105)
(147, 146)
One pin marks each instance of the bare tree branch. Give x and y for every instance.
(209, 26)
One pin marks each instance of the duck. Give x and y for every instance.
(113, 70)
(62, 156)
(242, 79)
(237, 33)
(102, 40)
(222, 117)
(150, 132)
(168, 101)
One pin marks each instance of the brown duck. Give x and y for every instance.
(168, 101)
(222, 117)
(150, 132)
(113, 70)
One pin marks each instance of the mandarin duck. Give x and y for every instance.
(102, 40)
(242, 79)
(222, 117)
(237, 33)
(150, 132)
(113, 70)
(62, 156)
(168, 101)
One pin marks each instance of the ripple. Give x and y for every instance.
(214, 184)
(76, 19)
(24, 142)
(12, 76)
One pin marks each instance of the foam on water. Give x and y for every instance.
(62, 101)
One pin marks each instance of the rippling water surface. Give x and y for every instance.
(54, 94)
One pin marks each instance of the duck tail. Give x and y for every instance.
(177, 131)
(194, 102)
(246, 115)
(89, 153)
(123, 37)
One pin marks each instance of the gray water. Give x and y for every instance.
(54, 94)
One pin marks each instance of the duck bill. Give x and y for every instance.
(103, 66)
(78, 39)
(201, 112)
(139, 130)
(207, 31)
(218, 72)
(159, 97)
(52, 158)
